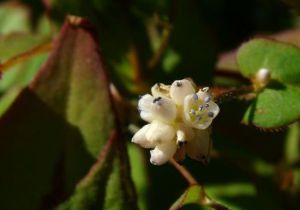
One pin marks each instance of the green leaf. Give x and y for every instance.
(228, 60)
(8, 98)
(237, 196)
(88, 194)
(282, 60)
(195, 195)
(53, 132)
(274, 106)
(292, 144)
(21, 74)
(107, 185)
(139, 174)
(16, 43)
(14, 18)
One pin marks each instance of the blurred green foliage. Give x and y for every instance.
(54, 128)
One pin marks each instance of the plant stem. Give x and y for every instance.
(43, 48)
(161, 49)
(205, 199)
(184, 172)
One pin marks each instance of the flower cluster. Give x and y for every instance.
(179, 121)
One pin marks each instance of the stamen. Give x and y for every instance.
(178, 84)
(205, 89)
(195, 97)
(193, 112)
(207, 99)
(201, 108)
(198, 118)
(210, 114)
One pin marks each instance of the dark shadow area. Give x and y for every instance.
(192, 207)
(276, 85)
(42, 156)
(233, 22)
(231, 135)
(165, 186)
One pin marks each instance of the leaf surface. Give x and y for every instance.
(282, 60)
(53, 132)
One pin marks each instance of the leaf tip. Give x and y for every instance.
(76, 20)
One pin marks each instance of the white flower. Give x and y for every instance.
(199, 109)
(180, 89)
(179, 122)
(157, 108)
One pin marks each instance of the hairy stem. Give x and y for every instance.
(184, 172)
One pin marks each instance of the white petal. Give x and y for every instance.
(180, 89)
(160, 89)
(144, 105)
(157, 108)
(162, 153)
(203, 95)
(140, 137)
(199, 112)
(160, 133)
(184, 133)
(200, 146)
(263, 76)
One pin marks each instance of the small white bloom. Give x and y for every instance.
(160, 133)
(157, 108)
(180, 89)
(162, 153)
(154, 133)
(199, 110)
(140, 137)
(179, 120)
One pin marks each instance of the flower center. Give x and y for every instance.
(199, 109)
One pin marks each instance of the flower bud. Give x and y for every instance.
(157, 108)
(180, 89)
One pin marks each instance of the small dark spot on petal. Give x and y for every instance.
(210, 114)
(178, 84)
(156, 99)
